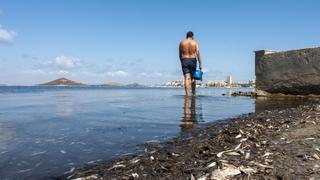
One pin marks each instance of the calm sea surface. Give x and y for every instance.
(45, 131)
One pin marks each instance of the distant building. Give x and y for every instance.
(229, 80)
(252, 83)
(214, 83)
(176, 83)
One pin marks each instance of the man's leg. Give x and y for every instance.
(193, 86)
(187, 80)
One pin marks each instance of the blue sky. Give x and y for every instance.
(100, 41)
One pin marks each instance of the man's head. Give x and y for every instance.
(190, 34)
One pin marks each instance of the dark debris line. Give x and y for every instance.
(277, 144)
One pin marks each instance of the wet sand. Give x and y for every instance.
(271, 144)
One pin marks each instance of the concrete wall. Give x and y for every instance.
(291, 72)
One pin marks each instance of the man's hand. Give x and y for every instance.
(200, 66)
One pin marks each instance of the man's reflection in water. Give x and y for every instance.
(189, 119)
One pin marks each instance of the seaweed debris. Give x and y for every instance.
(273, 144)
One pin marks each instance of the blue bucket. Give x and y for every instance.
(198, 75)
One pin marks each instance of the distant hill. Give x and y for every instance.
(117, 84)
(67, 82)
(135, 85)
(113, 84)
(62, 82)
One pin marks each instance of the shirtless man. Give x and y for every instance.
(189, 53)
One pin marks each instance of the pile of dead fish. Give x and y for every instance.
(241, 148)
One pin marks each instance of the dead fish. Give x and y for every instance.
(87, 177)
(261, 165)
(309, 138)
(243, 139)
(247, 156)
(203, 177)
(135, 175)
(174, 154)
(237, 147)
(288, 142)
(117, 166)
(25, 170)
(225, 172)
(316, 156)
(92, 162)
(267, 154)
(233, 154)
(38, 153)
(247, 170)
(238, 136)
(70, 171)
(72, 143)
(268, 160)
(63, 151)
(133, 161)
(212, 165)
(192, 177)
(38, 164)
(219, 155)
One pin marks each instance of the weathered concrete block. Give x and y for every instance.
(291, 72)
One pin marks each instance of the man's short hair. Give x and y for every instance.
(189, 34)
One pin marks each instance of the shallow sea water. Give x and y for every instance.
(45, 131)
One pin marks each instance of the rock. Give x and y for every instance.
(291, 72)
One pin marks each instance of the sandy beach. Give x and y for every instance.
(272, 144)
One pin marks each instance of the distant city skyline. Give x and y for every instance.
(137, 41)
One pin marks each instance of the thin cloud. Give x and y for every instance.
(43, 72)
(7, 36)
(66, 62)
(34, 71)
(119, 73)
(29, 56)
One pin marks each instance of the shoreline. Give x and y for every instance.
(278, 143)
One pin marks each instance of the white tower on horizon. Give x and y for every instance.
(229, 80)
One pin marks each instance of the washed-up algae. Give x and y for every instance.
(273, 144)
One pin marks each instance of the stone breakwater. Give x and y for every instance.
(272, 144)
(294, 72)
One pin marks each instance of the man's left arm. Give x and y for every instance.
(199, 57)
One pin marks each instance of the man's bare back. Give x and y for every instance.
(188, 48)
